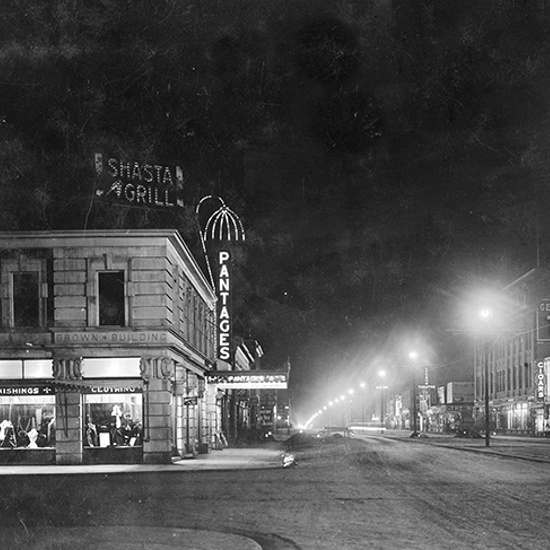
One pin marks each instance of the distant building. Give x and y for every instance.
(514, 350)
(453, 412)
(106, 339)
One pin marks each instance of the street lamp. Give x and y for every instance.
(351, 391)
(485, 315)
(413, 355)
(362, 386)
(381, 374)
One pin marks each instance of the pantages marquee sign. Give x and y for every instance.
(249, 380)
(224, 307)
(139, 184)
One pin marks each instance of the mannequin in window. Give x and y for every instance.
(32, 437)
(7, 434)
(137, 438)
(23, 438)
(127, 429)
(115, 425)
(46, 432)
(91, 433)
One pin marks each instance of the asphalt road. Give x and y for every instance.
(376, 492)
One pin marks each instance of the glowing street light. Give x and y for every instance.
(486, 315)
(413, 355)
(381, 374)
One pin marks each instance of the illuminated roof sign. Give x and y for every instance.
(249, 380)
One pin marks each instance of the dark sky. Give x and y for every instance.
(387, 158)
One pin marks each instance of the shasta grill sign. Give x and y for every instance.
(139, 184)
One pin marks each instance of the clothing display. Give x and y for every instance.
(110, 424)
(27, 426)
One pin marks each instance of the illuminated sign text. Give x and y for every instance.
(141, 183)
(26, 390)
(541, 380)
(249, 380)
(107, 389)
(224, 318)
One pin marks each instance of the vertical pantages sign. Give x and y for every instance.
(224, 309)
(222, 229)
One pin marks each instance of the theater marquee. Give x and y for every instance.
(253, 380)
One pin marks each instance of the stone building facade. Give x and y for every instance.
(512, 359)
(105, 341)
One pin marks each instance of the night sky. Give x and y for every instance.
(388, 159)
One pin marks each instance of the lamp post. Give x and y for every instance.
(414, 356)
(382, 374)
(485, 316)
(363, 386)
(351, 391)
(484, 328)
(330, 404)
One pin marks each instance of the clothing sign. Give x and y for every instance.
(112, 390)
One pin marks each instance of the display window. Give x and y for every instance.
(112, 418)
(25, 369)
(27, 417)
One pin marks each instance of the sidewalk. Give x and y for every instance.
(535, 449)
(136, 537)
(231, 458)
(131, 538)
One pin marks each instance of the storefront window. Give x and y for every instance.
(111, 367)
(27, 418)
(37, 368)
(11, 369)
(113, 419)
(17, 369)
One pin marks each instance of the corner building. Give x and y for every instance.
(105, 341)
(512, 359)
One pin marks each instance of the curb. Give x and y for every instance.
(134, 538)
(481, 450)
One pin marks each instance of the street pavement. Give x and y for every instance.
(228, 459)
(126, 538)
(267, 456)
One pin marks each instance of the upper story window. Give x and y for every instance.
(26, 299)
(111, 298)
